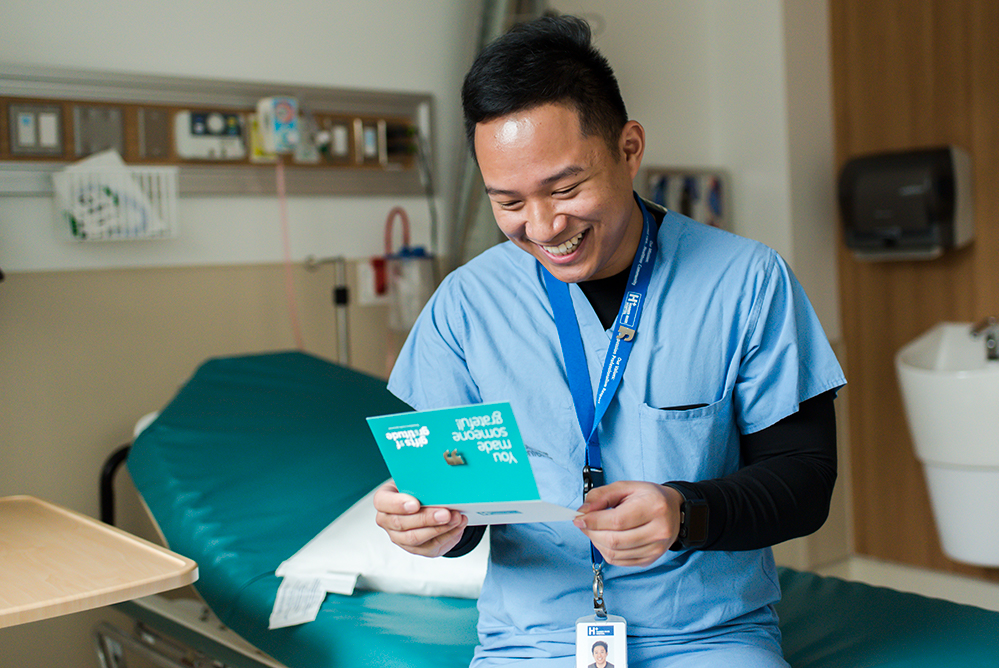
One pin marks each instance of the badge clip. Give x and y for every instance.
(592, 477)
(599, 608)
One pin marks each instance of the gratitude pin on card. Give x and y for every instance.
(469, 458)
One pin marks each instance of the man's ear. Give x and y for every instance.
(633, 145)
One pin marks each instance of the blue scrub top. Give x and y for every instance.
(726, 324)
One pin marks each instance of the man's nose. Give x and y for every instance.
(544, 222)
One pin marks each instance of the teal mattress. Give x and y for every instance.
(257, 454)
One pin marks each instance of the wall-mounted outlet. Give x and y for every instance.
(369, 142)
(340, 141)
(35, 129)
(98, 129)
(335, 134)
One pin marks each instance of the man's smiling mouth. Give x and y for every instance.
(564, 248)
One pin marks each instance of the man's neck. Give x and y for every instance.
(624, 255)
(605, 294)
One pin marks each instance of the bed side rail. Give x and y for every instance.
(108, 471)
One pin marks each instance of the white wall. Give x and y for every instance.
(722, 83)
(741, 86)
(812, 164)
(401, 45)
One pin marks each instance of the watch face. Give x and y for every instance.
(695, 523)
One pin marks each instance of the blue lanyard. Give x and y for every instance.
(625, 329)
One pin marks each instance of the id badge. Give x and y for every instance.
(601, 642)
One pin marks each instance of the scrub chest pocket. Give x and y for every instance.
(695, 443)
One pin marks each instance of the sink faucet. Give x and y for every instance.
(990, 328)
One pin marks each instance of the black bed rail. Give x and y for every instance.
(111, 466)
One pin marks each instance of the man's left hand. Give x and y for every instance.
(631, 523)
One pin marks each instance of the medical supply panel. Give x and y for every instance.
(701, 194)
(331, 141)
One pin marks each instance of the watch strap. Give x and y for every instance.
(693, 521)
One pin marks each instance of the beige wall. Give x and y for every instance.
(83, 355)
(86, 353)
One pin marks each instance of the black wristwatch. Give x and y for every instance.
(693, 524)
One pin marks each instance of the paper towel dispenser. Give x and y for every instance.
(907, 205)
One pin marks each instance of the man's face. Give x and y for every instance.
(600, 655)
(562, 197)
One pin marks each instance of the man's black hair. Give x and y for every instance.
(597, 644)
(545, 61)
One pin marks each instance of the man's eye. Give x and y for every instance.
(565, 191)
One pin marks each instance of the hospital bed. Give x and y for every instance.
(256, 454)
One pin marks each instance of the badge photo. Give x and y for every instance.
(601, 643)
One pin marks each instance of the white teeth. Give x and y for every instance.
(565, 248)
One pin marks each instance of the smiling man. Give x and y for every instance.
(600, 656)
(562, 196)
(670, 380)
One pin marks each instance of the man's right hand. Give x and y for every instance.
(428, 532)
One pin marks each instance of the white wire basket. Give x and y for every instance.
(117, 203)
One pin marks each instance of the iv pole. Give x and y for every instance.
(341, 299)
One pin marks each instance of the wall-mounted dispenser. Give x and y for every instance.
(907, 205)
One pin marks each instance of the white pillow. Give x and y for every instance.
(354, 547)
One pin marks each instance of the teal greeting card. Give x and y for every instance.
(469, 458)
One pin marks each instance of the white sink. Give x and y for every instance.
(951, 395)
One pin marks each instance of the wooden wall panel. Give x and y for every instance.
(909, 74)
